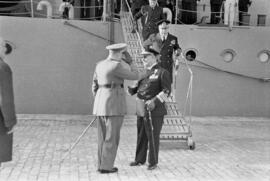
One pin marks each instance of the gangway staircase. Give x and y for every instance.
(175, 126)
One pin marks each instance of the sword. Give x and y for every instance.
(77, 140)
(148, 114)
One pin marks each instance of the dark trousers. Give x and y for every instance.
(167, 64)
(215, 10)
(144, 137)
(190, 16)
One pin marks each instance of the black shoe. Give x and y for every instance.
(151, 167)
(113, 170)
(135, 164)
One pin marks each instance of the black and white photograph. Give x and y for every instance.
(134, 90)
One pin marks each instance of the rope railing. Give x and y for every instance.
(45, 15)
(15, 13)
(243, 23)
(87, 7)
(15, 2)
(59, 16)
(221, 14)
(202, 64)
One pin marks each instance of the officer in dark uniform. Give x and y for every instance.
(136, 5)
(215, 6)
(150, 14)
(151, 94)
(168, 45)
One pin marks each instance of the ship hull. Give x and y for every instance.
(53, 64)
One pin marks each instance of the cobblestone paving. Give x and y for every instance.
(227, 148)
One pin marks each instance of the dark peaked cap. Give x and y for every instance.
(162, 21)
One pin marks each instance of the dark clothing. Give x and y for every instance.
(243, 5)
(144, 137)
(98, 9)
(190, 15)
(150, 17)
(156, 82)
(162, 3)
(148, 88)
(215, 10)
(216, 2)
(243, 9)
(7, 112)
(167, 48)
(136, 6)
(171, 6)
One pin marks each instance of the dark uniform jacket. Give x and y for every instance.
(243, 5)
(150, 17)
(7, 111)
(148, 88)
(167, 48)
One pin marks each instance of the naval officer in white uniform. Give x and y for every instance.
(230, 12)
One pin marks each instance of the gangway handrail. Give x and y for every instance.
(189, 91)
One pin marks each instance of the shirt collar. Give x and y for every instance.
(164, 37)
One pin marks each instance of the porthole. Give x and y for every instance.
(264, 56)
(191, 54)
(228, 55)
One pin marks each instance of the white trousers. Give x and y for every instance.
(229, 12)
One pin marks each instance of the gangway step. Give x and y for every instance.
(175, 128)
